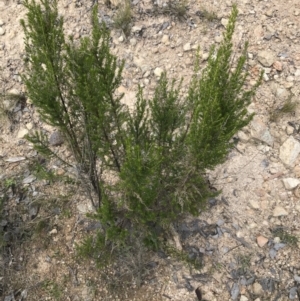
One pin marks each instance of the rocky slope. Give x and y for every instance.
(247, 239)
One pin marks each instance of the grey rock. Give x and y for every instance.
(133, 41)
(244, 281)
(289, 151)
(235, 291)
(282, 93)
(260, 131)
(293, 293)
(268, 284)
(7, 236)
(3, 222)
(279, 211)
(106, 19)
(272, 253)
(266, 58)
(14, 159)
(187, 47)
(212, 202)
(297, 278)
(56, 139)
(254, 204)
(220, 222)
(279, 246)
(9, 298)
(188, 286)
(250, 281)
(33, 211)
(220, 232)
(29, 179)
(257, 289)
(24, 294)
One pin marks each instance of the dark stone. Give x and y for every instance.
(268, 284)
(175, 278)
(33, 211)
(237, 273)
(235, 291)
(265, 163)
(212, 202)
(246, 280)
(189, 287)
(152, 265)
(198, 293)
(56, 139)
(162, 254)
(273, 253)
(293, 293)
(201, 277)
(279, 246)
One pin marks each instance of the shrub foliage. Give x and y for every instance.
(159, 152)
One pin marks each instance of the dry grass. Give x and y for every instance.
(288, 107)
(122, 19)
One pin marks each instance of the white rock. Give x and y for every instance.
(136, 28)
(257, 289)
(260, 131)
(290, 78)
(289, 130)
(218, 39)
(85, 207)
(22, 133)
(243, 298)
(289, 151)
(14, 92)
(282, 93)
(165, 39)
(2, 31)
(224, 22)
(29, 126)
(116, 2)
(205, 56)
(242, 136)
(266, 58)
(121, 39)
(279, 211)
(133, 41)
(297, 72)
(187, 47)
(297, 278)
(254, 204)
(276, 239)
(266, 77)
(290, 183)
(53, 231)
(158, 71)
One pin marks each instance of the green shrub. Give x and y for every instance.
(158, 154)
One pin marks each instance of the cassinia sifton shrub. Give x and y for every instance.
(159, 152)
